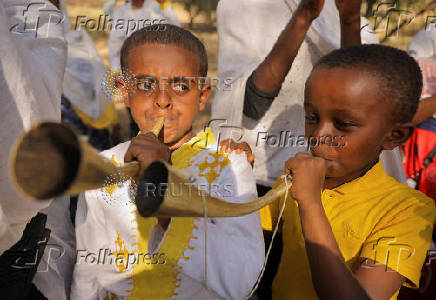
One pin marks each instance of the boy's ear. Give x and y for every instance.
(122, 86)
(204, 95)
(399, 134)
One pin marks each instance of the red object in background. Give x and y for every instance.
(416, 150)
(423, 139)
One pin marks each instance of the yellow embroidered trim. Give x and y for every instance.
(182, 156)
(147, 277)
(110, 189)
(108, 117)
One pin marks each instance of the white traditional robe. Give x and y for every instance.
(247, 31)
(32, 63)
(108, 221)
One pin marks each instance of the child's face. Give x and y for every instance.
(344, 106)
(167, 84)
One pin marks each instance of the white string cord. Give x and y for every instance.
(288, 185)
(205, 247)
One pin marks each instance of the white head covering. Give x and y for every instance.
(423, 44)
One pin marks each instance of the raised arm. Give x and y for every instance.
(349, 16)
(265, 83)
(271, 73)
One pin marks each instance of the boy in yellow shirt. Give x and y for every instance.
(350, 231)
(353, 232)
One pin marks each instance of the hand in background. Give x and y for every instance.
(229, 145)
(310, 9)
(349, 10)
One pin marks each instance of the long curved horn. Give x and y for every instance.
(188, 200)
(51, 160)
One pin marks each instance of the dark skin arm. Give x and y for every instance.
(349, 16)
(371, 280)
(426, 109)
(271, 73)
(146, 148)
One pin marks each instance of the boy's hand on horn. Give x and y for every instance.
(146, 148)
(310, 9)
(349, 10)
(308, 174)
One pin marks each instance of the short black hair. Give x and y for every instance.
(398, 75)
(166, 34)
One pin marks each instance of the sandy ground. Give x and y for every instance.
(208, 35)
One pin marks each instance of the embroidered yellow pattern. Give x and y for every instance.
(111, 188)
(159, 280)
(182, 157)
(211, 170)
(120, 252)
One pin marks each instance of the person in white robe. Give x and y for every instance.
(32, 58)
(154, 263)
(32, 65)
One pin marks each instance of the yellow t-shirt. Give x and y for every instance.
(373, 217)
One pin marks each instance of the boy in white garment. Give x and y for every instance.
(121, 255)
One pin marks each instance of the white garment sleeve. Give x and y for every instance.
(32, 63)
(89, 219)
(235, 246)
